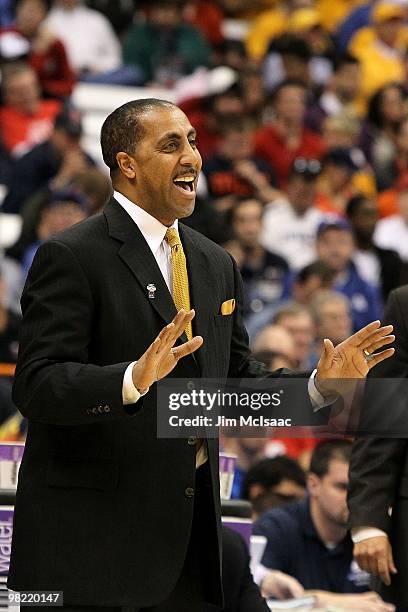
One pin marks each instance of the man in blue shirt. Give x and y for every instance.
(335, 247)
(308, 539)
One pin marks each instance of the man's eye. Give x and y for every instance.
(193, 143)
(341, 487)
(171, 146)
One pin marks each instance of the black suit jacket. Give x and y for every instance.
(102, 510)
(241, 594)
(379, 466)
(391, 270)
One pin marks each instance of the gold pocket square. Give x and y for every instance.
(228, 307)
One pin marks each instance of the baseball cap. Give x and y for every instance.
(333, 222)
(386, 11)
(69, 120)
(68, 195)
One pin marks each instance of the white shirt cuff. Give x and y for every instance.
(358, 534)
(130, 394)
(317, 399)
(260, 573)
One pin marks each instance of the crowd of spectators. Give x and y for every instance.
(304, 142)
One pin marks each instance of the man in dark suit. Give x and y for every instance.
(379, 476)
(106, 511)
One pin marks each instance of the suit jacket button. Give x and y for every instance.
(190, 385)
(189, 492)
(192, 441)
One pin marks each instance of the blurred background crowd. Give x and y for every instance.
(301, 110)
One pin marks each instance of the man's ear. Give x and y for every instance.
(255, 490)
(313, 484)
(127, 165)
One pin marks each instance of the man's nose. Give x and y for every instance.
(190, 157)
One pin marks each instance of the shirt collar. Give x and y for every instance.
(152, 229)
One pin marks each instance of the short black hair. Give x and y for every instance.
(354, 204)
(233, 125)
(286, 83)
(344, 60)
(237, 201)
(288, 44)
(123, 129)
(233, 45)
(270, 472)
(375, 114)
(327, 451)
(316, 268)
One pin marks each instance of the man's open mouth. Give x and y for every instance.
(186, 183)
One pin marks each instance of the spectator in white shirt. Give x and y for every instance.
(290, 224)
(89, 39)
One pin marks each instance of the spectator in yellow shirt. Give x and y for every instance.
(379, 48)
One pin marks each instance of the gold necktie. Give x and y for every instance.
(181, 293)
(181, 297)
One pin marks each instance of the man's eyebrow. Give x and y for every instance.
(176, 135)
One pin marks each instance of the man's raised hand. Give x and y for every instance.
(162, 356)
(354, 357)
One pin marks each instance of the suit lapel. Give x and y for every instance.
(136, 254)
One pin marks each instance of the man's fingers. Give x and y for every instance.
(295, 589)
(373, 346)
(180, 321)
(377, 335)
(371, 564)
(328, 349)
(380, 357)
(166, 332)
(151, 352)
(364, 562)
(168, 336)
(187, 348)
(391, 563)
(163, 339)
(364, 333)
(383, 570)
(175, 328)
